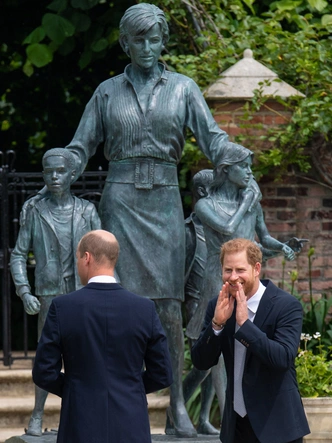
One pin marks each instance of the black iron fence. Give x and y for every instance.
(15, 189)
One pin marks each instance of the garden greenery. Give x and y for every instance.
(292, 38)
(54, 58)
(314, 370)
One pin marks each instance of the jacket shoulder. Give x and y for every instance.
(84, 204)
(279, 294)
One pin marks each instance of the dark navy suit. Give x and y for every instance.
(104, 335)
(270, 390)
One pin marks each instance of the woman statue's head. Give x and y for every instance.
(138, 19)
(230, 155)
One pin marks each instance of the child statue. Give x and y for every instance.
(52, 228)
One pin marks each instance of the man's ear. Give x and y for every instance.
(87, 257)
(257, 269)
(73, 173)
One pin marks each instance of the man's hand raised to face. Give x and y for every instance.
(224, 307)
(241, 305)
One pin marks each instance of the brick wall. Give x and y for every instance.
(297, 206)
(300, 208)
(230, 117)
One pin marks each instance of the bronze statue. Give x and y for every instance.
(228, 212)
(140, 119)
(52, 228)
(196, 255)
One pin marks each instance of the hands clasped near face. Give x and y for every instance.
(225, 304)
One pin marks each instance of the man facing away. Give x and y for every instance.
(257, 327)
(113, 348)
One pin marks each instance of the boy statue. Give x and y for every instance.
(52, 228)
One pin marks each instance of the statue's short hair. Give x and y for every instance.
(254, 253)
(103, 250)
(138, 19)
(203, 179)
(61, 152)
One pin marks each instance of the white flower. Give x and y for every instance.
(317, 335)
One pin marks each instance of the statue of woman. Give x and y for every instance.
(140, 118)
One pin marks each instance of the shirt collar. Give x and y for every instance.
(163, 73)
(102, 279)
(253, 301)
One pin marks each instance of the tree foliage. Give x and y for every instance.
(53, 55)
(292, 38)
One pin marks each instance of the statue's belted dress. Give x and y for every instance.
(141, 203)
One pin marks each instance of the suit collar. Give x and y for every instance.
(264, 307)
(103, 286)
(266, 303)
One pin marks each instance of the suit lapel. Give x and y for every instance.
(231, 325)
(265, 305)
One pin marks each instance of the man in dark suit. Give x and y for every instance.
(257, 327)
(103, 335)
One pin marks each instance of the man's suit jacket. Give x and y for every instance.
(104, 335)
(270, 390)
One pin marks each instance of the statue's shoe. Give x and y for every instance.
(169, 428)
(179, 424)
(205, 428)
(35, 427)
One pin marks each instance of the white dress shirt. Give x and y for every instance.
(102, 279)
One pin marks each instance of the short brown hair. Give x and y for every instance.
(254, 254)
(102, 250)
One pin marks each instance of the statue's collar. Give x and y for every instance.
(128, 69)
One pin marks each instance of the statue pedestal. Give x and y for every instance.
(50, 437)
(47, 437)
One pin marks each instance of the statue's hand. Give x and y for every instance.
(257, 195)
(296, 243)
(288, 252)
(31, 304)
(31, 203)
